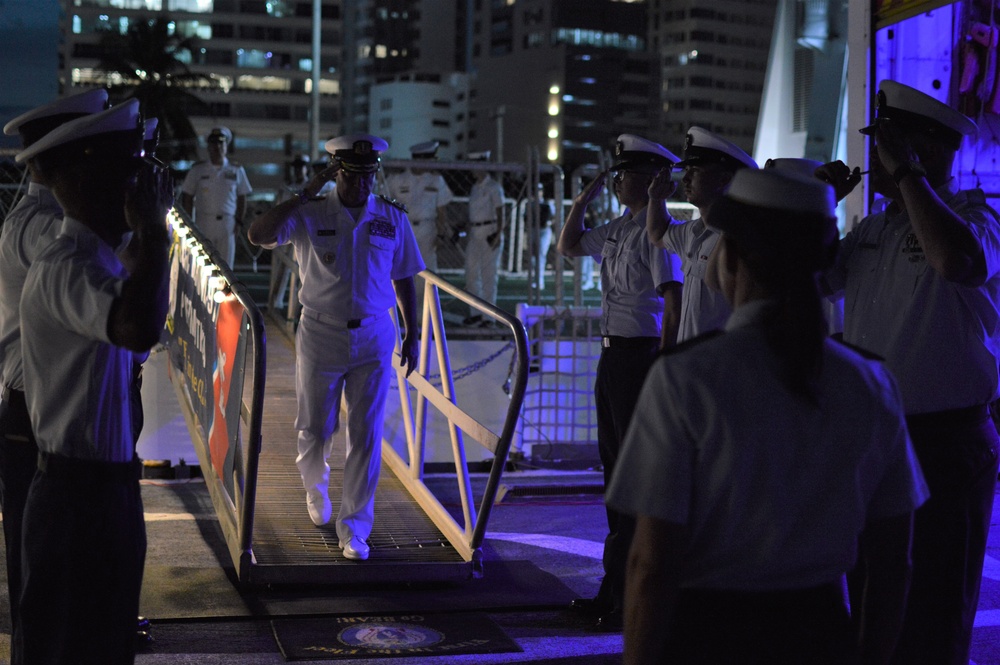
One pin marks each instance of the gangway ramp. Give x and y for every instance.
(233, 372)
(288, 547)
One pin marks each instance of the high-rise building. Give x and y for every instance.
(712, 60)
(562, 76)
(258, 54)
(413, 108)
(386, 38)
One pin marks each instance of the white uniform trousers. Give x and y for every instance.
(544, 242)
(482, 262)
(426, 233)
(332, 360)
(220, 233)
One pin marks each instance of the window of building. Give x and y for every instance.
(194, 6)
(440, 123)
(264, 83)
(195, 29)
(385, 104)
(385, 123)
(441, 104)
(214, 56)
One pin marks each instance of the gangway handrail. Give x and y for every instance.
(237, 525)
(467, 540)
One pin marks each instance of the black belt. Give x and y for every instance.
(950, 418)
(350, 324)
(106, 471)
(492, 221)
(616, 342)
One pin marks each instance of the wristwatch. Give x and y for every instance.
(908, 168)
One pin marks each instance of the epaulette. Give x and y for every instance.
(393, 202)
(861, 351)
(977, 197)
(689, 343)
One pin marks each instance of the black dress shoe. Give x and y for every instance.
(592, 607)
(143, 640)
(611, 622)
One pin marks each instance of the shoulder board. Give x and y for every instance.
(977, 197)
(393, 202)
(861, 351)
(693, 342)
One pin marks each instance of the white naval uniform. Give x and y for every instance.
(481, 260)
(346, 269)
(215, 190)
(774, 491)
(84, 538)
(702, 309)
(422, 195)
(31, 225)
(940, 339)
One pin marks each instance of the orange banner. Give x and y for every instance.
(888, 12)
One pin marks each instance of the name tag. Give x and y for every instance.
(381, 228)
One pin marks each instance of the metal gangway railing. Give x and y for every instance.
(218, 366)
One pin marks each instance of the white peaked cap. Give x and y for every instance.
(123, 117)
(84, 103)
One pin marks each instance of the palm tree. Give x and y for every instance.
(144, 63)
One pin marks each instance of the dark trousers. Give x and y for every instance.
(620, 375)
(958, 455)
(18, 461)
(83, 552)
(713, 627)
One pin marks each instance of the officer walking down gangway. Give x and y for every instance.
(357, 258)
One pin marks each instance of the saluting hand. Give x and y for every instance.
(663, 186)
(149, 198)
(316, 183)
(592, 190)
(893, 149)
(840, 176)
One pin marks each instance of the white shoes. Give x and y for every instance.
(320, 508)
(355, 549)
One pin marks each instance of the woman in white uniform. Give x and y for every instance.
(759, 458)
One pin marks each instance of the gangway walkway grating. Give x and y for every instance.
(285, 539)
